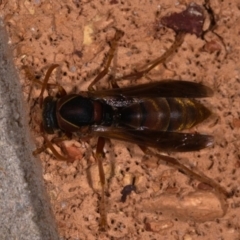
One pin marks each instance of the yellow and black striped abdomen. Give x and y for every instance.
(164, 114)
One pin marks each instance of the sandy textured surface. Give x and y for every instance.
(167, 204)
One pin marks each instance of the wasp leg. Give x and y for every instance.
(45, 85)
(176, 164)
(31, 77)
(48, 144)
(110, 55)
(162, 59)
(29, 74)
(99, 158)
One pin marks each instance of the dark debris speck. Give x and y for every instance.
(127, 191)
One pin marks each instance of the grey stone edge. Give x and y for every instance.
(24, 206)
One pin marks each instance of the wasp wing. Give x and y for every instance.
(165, 88)
(164, 141)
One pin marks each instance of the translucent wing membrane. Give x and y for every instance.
(165, 88)
(165, 141)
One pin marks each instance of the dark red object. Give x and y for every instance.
(190, 20)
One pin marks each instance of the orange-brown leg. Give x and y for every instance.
(110, 55)
(176, 164)
(49, 144)
(162, 59)
(99, 158)
(45, 85)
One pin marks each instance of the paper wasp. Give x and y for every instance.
(149, 115)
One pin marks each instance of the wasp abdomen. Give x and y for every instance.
(164, 114)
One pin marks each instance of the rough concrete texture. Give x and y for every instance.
(23, 206)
